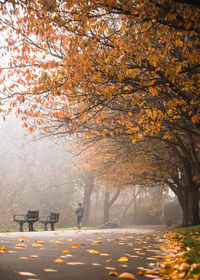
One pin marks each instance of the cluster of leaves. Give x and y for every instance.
(184, 259)
(190, 238)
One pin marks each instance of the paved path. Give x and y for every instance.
(32, 255)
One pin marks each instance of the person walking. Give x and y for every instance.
(79, 213)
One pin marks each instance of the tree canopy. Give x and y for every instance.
(110, 68)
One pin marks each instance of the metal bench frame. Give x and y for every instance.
(31, 217)
(51, 219)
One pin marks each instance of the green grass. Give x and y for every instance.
(8, 230)
(186, 230)
(41, 229)
(190, 238)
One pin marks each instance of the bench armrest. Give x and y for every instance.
(42, 218)
(20, 217)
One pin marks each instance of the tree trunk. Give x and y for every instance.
(189, 202)
(195, 206)
(132, 201)
(86, 203)
(108, 203)
(106, 214)
(187, 193)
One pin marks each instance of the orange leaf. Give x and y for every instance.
(59, 260)
(94, 252)
(58, 242)
(126, 275)
(36, 244)
(2, 248)
(20, 245)
(123, 259)
(74, 245)
(97, 242)
(113, 273)
(65, 252)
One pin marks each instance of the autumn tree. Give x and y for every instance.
(109, 69)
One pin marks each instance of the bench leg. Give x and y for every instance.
(52, 226)
(45, 226)
(21, 226)
(30, 226)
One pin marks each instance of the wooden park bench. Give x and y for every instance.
(51, 219)
(31, 217)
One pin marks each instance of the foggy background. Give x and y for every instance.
(38, 173)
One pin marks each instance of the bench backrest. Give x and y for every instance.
(32, 215)
(54, 217)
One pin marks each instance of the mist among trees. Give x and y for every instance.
(120, 79)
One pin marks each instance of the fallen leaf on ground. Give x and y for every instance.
(66, 256)
(96, 264)
(94, 252)
(2, 249)
(58, 242)
(40, 241)
(59, 260)
(26, 238)
(109, 260)
(27, 273)
(34, 256)
(124, 265)
(75, 263)
(123, 259)
(140, 272)
(97, 242)
(74, 245)
(65, 251)
(132, 256)
(105, 254)
(113, 273)
(20, 245)
(110, 268)
(20, 239)
(26, 258)
(126, 275)
(36, 244)
(151, 271)
(49, 270)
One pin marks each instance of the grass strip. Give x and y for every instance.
(189, 237)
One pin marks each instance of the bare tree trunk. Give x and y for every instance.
(86, 203)
(108, 204)
(106, 214)
(133, 200)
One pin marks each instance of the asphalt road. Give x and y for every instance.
(92, 254)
